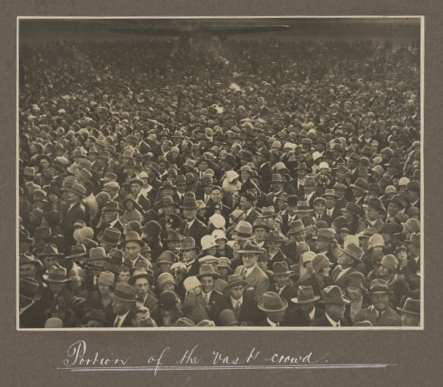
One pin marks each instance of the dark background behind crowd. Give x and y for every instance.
(268, 179)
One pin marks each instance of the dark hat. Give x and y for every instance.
(168, 300)
(396, 199)
(292, 200)
(414, 239)
(207, 270)
(124, 292)
(280, 268)
(375, 204)
(227, 318)
(353, 251)
(379, 286)
(112, 207)
(152, 228)
(166, 257)
(360, 184)
(173, 236)
(56, 274)
(334, 296)
(260, 223)
(275, 236)
(141, 273)
(189, 203)
(173, 220)
(77, 251)
(413, 186)
(296, 227)
(272, 302)
(303, 207)
(29, 259)
(353, 209)
(78, 189)
(326, 235)
(411, 306)
(97, 315)
(305, 295)
(30, 289)
(43, 233)
(50, 251)
(97, 254)
(110, 236)
(134, 236)
(235, 280)
(250, 247)
(357, 280)
(390, 262)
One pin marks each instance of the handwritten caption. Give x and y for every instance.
(79, 356)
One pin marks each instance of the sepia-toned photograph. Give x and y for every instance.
(220, 173)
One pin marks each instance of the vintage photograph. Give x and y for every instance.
(215, 173)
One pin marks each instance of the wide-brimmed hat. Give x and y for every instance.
(250, 247)
(30, 289)
(272, 302)
(110, 236)
(124, 292)
(379, 286)
(410, 306)
(280, 268)
(207, 270)
(277, 178)
(224, 262)
(376, 204)
(334, 296)
(43, 233)
(268, 212)
(259, 223)
(50, 251)
(56, 274)
(353, 251)
(275, 236)
(188, 243)
(305, 295)
(303, 207)
(189, 203)
(97, 254)
(77, 251)
(360, 184)
(141, 273)
(296, 227)
(325, 235)
(243, 231)
(112, 207)
(134, 236)
(78, 189)
(319, 262)
(329, 193)
(166, 257)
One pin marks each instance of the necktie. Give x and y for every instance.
(237, 309)
(206, 298)
(243, 273)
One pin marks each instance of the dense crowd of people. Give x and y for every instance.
(255, 183)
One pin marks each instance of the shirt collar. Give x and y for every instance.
(333, 323)
(311, 314)
(121, 318)
(272, 323)
(236, 302)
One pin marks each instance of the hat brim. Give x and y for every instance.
(215, 275)
(236, 283)
(264, 309)
(148, 276)
(250, 251)
(297, 301)
(100, 239)
(37, 297)
(47, 279)
(380, 292)
(408, 312)
(76, 192)
(76, 256)
(349, 255)
(289, 272)
(124, 299)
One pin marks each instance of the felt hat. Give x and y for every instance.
(379, 286)
(353, 251)
(243, 231)
(329, 193)
(280, 268)
(124, 292)
(259, 223)
(227, 318)
(390, 262)
(353, 209)
(56, 274)
(189, 203)
(97, 254)
(272, 302)
(134, 236)
(410, 306)
(275, 236)
(166, 257)
(50, 251)
(303, 207)
(110, 236)
(357, 280)
(250, 247)
(207, 270)
(29, 289)
(326, 235)
(296, 227)
(206, 323)
(184, 322)
(78, 189)
(334, 296)
(142, 272)
(96, 315)
(305, 295)
(164, 279)
(188, 243)
(414, 239)
(319, 262)
(43, 233)
(106, 278)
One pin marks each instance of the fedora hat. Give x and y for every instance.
(411, 306)
(50, 251)
(188, 243)
(334, 296)
(97, 315)
(142, 273)
(243, 231)
(56, 274)
(134, 236)
(166, 257)
(164, 279)
(110, 236)
(303, 207)
(353, 251)
(78, 189)
(207, 270)
(184, 322)
(325, 235)
(112, 207)
(360, 184)
(173, 236)
(397, 200)
(281, 268)
(235, 280)
(275, 236)
(30, 289)
(97, 254)
(272, 302)
(357, 280)
(375, 204)
(77, 251)
(250, 247)
(124, 292)
(268, 212)
(329, 193)
(189, 203)
(277, 178)
(305, 295)
(296, 227)
(43, 233)
(259, 223)
(379, 286)
(353, 209)
(208, 259)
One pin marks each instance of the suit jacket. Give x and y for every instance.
(296, 318)
(324, 217)
(324, 322)
(252, 216)
(70, 216)
(193, 269)
(217, 303)
(258, 282)
(33, 317)
(336, 212)
(341, 281)
(249, 312)
(197, 231)
(286, 223)
(278, 257)
(318, 289)
(127, 322)
(389, 317)
(287, 293)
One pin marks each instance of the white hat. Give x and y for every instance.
(324, 165)
(207, 242)
(219, 234)
(404, 181)
(208, 259)
(53, 322)
(289, 145)
(231, 176)
(191, 283)
(316, 155)
(178, 265)
(307, 256)
(351, 239)
(218, 221)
